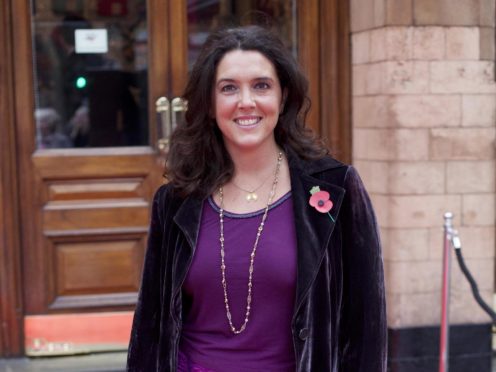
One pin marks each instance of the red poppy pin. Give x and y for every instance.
(321, 201)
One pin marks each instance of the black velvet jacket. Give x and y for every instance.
(339, 318)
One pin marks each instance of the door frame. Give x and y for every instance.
(323, 36)
(11, 310)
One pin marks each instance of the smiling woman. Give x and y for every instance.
(246, 270)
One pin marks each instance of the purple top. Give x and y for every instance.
(266, 344)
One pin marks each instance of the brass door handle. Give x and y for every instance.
(164, 127)
(179, 107)
(169, 115)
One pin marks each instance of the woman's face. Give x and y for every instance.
(247, 100)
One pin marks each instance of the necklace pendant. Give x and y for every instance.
(251, 196)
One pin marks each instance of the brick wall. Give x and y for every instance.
(424, 128)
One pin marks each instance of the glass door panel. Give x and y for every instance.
(207, 15)
(90, 69)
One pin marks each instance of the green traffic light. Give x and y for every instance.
(81, 82)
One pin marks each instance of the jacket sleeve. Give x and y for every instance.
(363, 329)
(142, 352)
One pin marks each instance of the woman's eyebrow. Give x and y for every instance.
(231, 80)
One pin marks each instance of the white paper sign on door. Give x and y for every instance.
(93, 40)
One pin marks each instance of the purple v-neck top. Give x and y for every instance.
(207, 343)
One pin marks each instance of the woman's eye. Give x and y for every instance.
(262, 85)
(228, 88)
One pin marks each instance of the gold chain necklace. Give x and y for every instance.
(251, 195)
(252, 255)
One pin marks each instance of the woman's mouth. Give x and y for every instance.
(248, 122)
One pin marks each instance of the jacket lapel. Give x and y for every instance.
(187, 218)
(313, 228)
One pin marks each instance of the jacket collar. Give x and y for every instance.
(313, 229)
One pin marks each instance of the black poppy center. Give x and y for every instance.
(321, 203)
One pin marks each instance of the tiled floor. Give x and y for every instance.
(104, 362)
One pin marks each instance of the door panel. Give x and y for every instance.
(94, 218)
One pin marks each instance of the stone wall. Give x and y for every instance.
(424, 127)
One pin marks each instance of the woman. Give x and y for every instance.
(263, 252)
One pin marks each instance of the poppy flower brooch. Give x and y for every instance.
(321, 201)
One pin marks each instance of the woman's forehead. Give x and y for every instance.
(245, 63)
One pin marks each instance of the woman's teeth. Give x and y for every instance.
(247, 121)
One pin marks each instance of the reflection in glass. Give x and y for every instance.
(90, 90)
(207, 15)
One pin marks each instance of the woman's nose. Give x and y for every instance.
(246, 98)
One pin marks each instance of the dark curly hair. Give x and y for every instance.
(198, 161)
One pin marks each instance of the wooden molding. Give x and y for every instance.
(178, 41)
(309, 56)
(10, 281)
(324, 53)
(335, 77)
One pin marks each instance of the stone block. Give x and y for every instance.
(462, 143)
(399, 45)
(414, 276)
(413, 309)
(379, 12)
(416, 178)
(479, 110)
(411, 144)
(425, 111)
(374, 175)
(367, 79)
(429, 43)
(361, 12)
(436, 236)
(370, 112)
(380, 203)
(470, 176)
(421, 211)
(446, 12)
(487, 43)
(476, 77)
(462, 43)
(477, 241)
(478, 209)
(410, 77)
(482, 269)
(378, 44)
(407, 245)
(399, 12)
(375, 73)
(360, 44)
(426, 12)
(373, 144)
(487, 12)
(389, 144)
(359, 80)
(464, 308)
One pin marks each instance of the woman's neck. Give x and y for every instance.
(256, 163)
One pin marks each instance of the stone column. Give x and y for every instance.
(424, 121)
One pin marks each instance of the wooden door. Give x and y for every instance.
(88, 166)
(85, 187)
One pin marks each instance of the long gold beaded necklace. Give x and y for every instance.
(252, 255)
